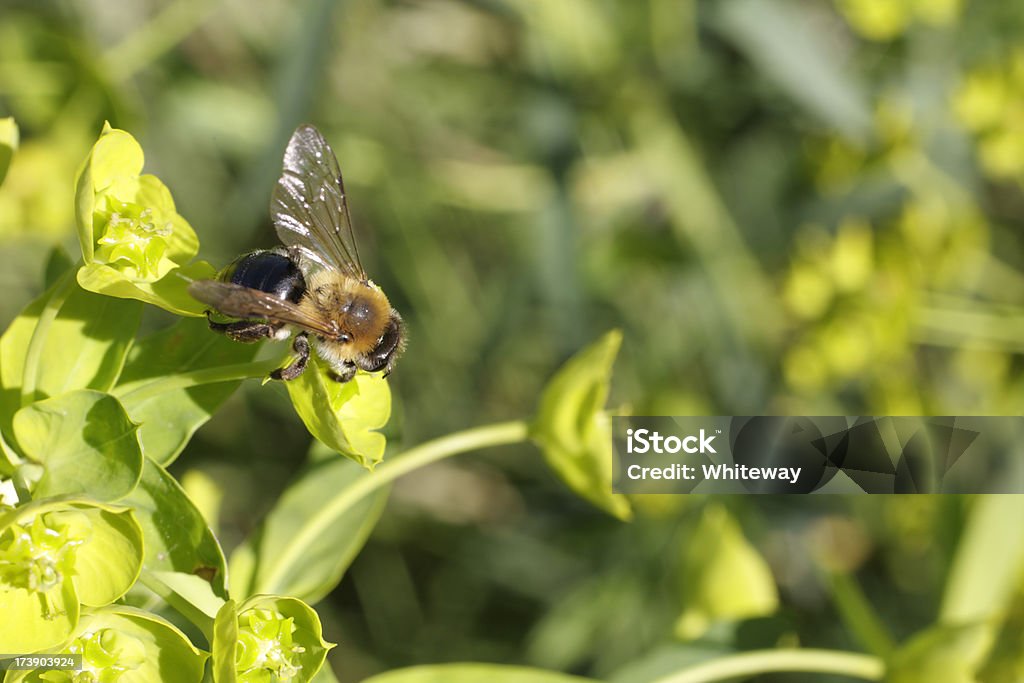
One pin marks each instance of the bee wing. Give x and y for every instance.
(243, 302)
(309, 207)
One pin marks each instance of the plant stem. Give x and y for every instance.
(791, 660)
(140, 391)
(858, 614)
(191, 611)
(30, 371)
(453, 444)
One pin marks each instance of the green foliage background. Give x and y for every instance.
(788, 207)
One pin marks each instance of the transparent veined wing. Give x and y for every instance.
(308, 205)
(243, 302)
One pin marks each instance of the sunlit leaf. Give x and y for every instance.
(573, 430)
(942, 654)
(225, 642)
(190, 595)
(134, 243)
(83, 341)
(115, 154)
(170, 292)
(723, 577)
(29, 624)
(177, 537)
(86, 443)
(86, 345)
(13, 349)
(343, 416)
(94, 559)
(325, 675)
(130, 646)
(303, 547)
(108, 562)
(168, 417)
(989, 561)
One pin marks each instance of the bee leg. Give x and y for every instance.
(290, 372)
(245, 331)
(346, 374)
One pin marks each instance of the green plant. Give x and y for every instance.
(91, 417)
(103, 554)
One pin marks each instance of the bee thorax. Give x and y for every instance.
(360, 313)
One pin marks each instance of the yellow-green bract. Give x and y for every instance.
(574, 431)
(59, 554)
(134, 243)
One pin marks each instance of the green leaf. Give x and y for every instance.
(309, 566)
(225, 641)
(242, 569)
(116, 154)
(942, 654)
(573, 430)
(108, 563)
(264, 635)
(325, 675)
(169, 293)
(13, 349)
(9, 459)
(8, 144)
(84, 339)
(168, 419)
(344, 417)
(190, 595)
(97, 560)
(473, 673)
(134, 243)
(130, 646)
(58, 263)
(989, 561)
(177, 537)
(85, 441)
(86, 345)
(30, 624)
(723, 576)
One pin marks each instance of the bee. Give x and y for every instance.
(314, 284)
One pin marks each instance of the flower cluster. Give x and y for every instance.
(134, 243)
(106, 656)
(134, 235)
(265, 649)
(39, 554)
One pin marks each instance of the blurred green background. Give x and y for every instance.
(789, 207)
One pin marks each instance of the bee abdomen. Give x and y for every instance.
(267, 271)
